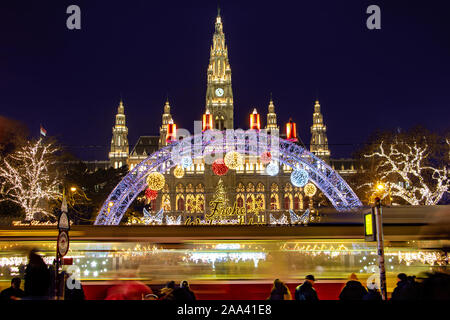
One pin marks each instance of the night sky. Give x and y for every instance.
(71, 81)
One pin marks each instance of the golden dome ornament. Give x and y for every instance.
(156, 181)
(178, 172)
(310, 189)
(234, 159)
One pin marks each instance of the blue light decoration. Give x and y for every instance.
(331, 184)
(186, 162)
(299, 177)
(272, 169)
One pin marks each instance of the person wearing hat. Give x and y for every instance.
(403, 289)
(353, 289)
(306, 292)
(184, 292)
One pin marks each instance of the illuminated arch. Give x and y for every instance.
(288, 154)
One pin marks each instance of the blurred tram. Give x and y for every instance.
(239, 261)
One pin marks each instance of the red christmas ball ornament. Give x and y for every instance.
(219, 167)
(151, 194)
(266, 157)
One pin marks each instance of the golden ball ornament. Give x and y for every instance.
(178, 172)
(156, 181)
(310, 189)
(234, 159)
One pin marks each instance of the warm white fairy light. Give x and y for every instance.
(213, 257)
(27, 178)
(421, 184)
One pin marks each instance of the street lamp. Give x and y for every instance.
(73, 189)
(380, 186)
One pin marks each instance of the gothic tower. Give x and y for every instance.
(219, 95)
(166, 119)
(319, 141)
(271, 117)
(119, 144)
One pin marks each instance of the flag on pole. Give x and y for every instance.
(43, 131)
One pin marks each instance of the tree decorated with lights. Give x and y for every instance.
(220, 194)
(410, 167)
(28, 177)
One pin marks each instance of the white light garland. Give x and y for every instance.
(28, 178)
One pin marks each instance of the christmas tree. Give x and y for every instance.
(218, 202)
(220, 195)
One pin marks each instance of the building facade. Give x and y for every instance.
(249, 186)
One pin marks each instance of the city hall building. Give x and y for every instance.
(249, 186)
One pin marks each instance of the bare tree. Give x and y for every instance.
(411, 167)
(29, 179)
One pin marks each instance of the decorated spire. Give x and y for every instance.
(319, 140)
(166, 120)
(219, 94)
(271, 116)
(119, 143)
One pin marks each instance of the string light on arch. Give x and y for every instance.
(310, 189)
(299, 177)
(219, 167)
(156, 181)
(233, 160)
(178, 172)
(186, 162)
(272, 169)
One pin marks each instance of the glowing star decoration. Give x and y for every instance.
(310, 189)
(272, 169)
(186, 162)
(151, 194)
(178, 172)
(153, 219)
(219, 167)
(299, 177)
(156, 181)
(281, 220)
(233, 160)
(294, 217)
(266, 157)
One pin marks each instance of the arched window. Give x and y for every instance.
(287, 202)
(166, 202)
(180, 204)
(250, 187)
(260, 187)
(190, 203)
(250, 202)
(274, 202)
(240, 201)
(240, 187)
(259, 202)
(298, 201)
(200, 203)
(274, 187)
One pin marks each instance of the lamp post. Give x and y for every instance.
(380, 187)
(380, 246)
